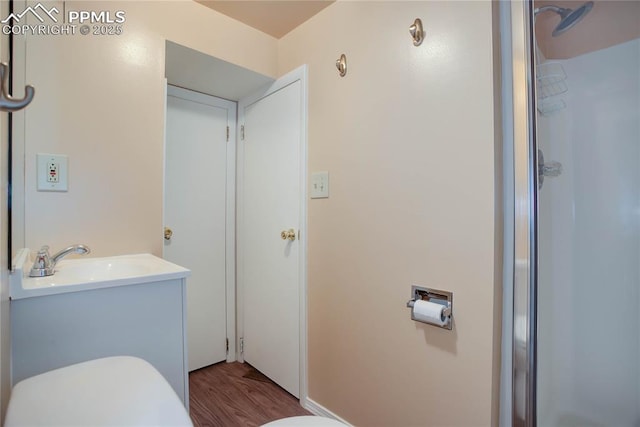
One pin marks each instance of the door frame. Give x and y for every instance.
(299, 74)
(230, 216)
(521, 201)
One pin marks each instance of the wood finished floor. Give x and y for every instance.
(219, 395)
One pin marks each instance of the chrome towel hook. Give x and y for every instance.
(7, 102)
(417, 32)
(341, 65)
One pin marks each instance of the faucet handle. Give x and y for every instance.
(42, 265)
(43, 259)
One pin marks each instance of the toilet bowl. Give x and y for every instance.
(122, 391)
(304, 421)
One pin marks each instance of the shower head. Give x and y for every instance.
(568, 17)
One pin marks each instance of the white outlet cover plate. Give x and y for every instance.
(62, 162)
(320, 185)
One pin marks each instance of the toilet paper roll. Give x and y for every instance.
(429, 312)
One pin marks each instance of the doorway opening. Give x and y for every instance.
(234, 243)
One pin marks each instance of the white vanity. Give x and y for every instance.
(131, 305)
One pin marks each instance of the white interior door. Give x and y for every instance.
(271, 194)
(196, 209)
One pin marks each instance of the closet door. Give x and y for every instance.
(196, 211)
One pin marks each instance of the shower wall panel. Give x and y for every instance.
(589, 245)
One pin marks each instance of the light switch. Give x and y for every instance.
(320, 185)
(52, 172)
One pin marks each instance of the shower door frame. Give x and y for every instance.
(524, 209)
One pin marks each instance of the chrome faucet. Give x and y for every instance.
(44, 264)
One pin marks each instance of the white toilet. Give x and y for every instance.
(304, 421)
(122, 391)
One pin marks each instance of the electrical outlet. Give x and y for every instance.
(52, 172)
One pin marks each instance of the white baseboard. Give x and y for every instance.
(319, 410)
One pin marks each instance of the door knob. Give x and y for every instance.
(167, 233)
(289, 234)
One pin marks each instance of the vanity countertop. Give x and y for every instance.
(74, 275)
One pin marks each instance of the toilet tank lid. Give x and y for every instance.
(121, 390)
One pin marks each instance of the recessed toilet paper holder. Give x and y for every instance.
(435, 296)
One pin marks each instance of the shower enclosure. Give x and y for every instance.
(575, 267)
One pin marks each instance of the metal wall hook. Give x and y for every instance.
(7, 102)
(341, 65)
(417, 32)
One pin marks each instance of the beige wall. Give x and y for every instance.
(100, 100)
(408, 139)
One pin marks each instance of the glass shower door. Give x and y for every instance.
(588, 213)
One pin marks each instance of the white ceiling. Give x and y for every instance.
(275, 18)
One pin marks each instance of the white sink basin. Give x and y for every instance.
(104, 268)
(73, 275)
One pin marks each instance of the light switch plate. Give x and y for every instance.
(320, 185)
(52, 172)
